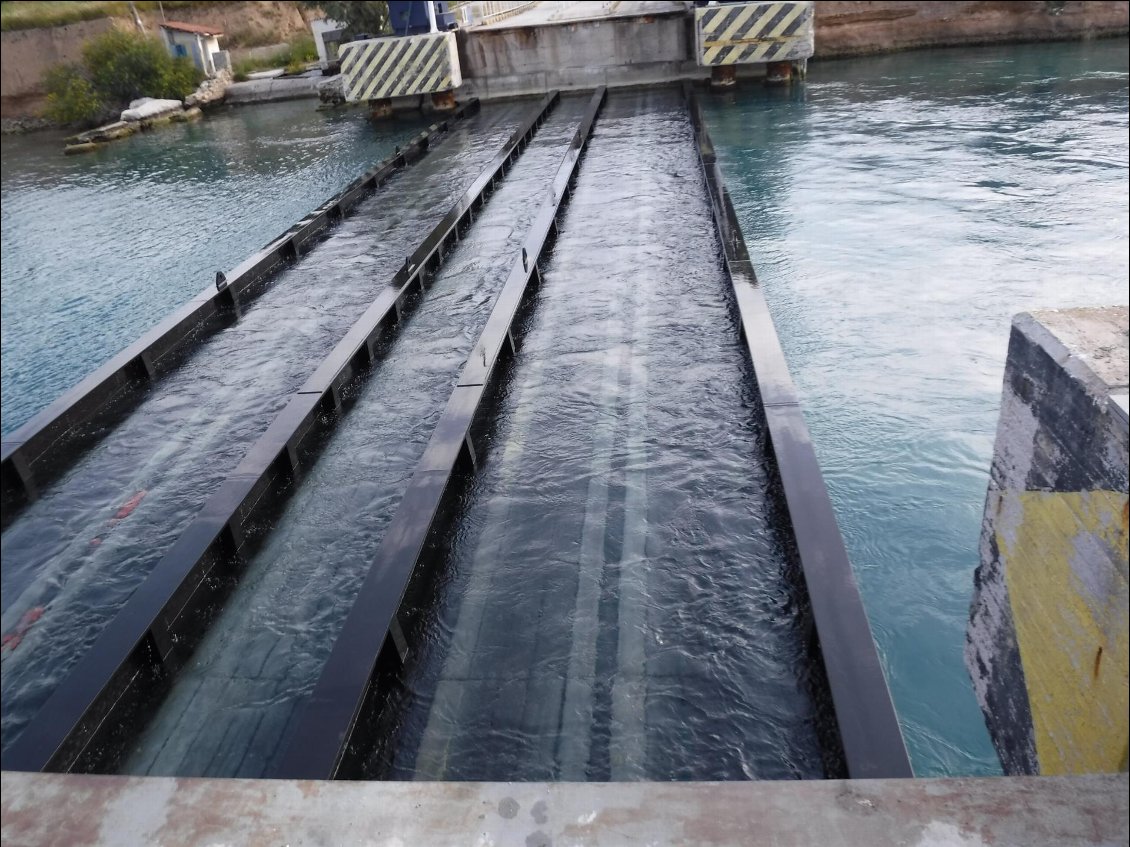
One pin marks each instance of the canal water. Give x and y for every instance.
(899, 211)
(75, 554)
(231, 711)
(617, 603)
(98, 248)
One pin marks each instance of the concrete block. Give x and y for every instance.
(1047, 638)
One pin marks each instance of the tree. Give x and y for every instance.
(358, 16)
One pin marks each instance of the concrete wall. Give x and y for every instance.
(1047, 637)
(859, 28)
(509, 61)
(27, 54)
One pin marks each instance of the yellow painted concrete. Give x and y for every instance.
(1073, 644)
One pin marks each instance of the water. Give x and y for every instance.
(899, 211)
(616, 603)
(69, 555)
(100, 247)
(230, 712)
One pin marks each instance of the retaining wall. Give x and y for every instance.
(862, 28)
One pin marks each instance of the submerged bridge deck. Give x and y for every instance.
(491, 468)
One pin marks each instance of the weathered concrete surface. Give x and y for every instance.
(48, 809)
(1047, 641)
(564, 11)
(860, 28)
(269, 90)
(509, 60)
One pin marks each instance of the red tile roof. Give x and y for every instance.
(197, 28)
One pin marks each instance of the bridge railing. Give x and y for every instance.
(491, 11)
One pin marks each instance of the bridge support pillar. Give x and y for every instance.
(444, 101)
(723, 76)
(779, 73)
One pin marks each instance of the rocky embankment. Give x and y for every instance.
(147, 114)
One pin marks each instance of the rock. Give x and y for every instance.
(108, 132)
(148, 108)
(332, 90)
(210, 91)
(159, 120)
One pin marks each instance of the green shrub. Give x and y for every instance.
(72, 97)
(117, 67)
(125, 65)
(179, 79)
(293, 57)
(303, 48)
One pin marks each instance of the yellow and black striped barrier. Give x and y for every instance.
(752, 33)
(382, 68)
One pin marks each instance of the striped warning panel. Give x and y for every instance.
(400, 66)
(749, 33)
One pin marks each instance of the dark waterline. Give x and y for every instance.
(899, 211)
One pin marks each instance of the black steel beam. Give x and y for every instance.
(328, 719)
(865, 716)
(89, 716)
(40, 450)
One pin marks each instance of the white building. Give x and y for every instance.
(196, 42)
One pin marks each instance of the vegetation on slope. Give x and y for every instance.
(29, 14)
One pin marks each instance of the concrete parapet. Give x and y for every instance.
(121, 811)
(1047, 639)
(582, 54)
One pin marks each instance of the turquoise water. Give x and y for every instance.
(899, 211)
(98, 248)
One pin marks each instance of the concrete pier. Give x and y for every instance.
(1047, 638)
